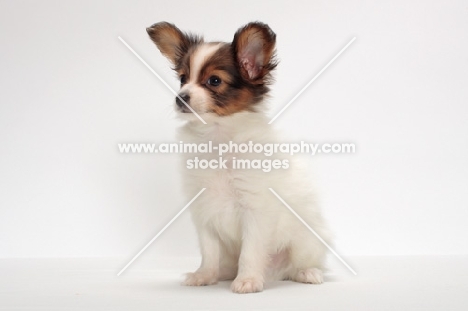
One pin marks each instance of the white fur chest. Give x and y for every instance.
(229, 191)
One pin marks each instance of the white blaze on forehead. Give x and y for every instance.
(201, 54)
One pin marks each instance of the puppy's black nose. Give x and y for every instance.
(185, 97)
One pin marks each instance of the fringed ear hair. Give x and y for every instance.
(172, 42)
(254, 47)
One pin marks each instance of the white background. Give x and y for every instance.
(70, 91)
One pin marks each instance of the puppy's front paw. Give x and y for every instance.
(200, 278)
(246, 285)
(311, 275)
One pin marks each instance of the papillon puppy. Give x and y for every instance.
(245, 232)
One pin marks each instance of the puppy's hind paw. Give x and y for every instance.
(246, 285)
(200, 278)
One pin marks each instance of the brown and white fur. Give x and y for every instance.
(246, 234)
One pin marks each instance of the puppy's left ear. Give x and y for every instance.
(254, 47)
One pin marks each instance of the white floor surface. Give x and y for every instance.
(382, 283)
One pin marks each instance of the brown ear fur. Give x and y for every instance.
(172, 42)
(254, 48)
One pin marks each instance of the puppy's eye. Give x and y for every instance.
(183, 79)
(214, 81)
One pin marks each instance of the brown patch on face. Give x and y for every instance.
(183, 67)
(242, 102)
(233, 94)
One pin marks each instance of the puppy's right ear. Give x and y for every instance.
(172, 42)
(254, 46)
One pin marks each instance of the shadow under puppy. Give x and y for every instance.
(245, 233)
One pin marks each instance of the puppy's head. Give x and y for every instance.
(217, 77)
